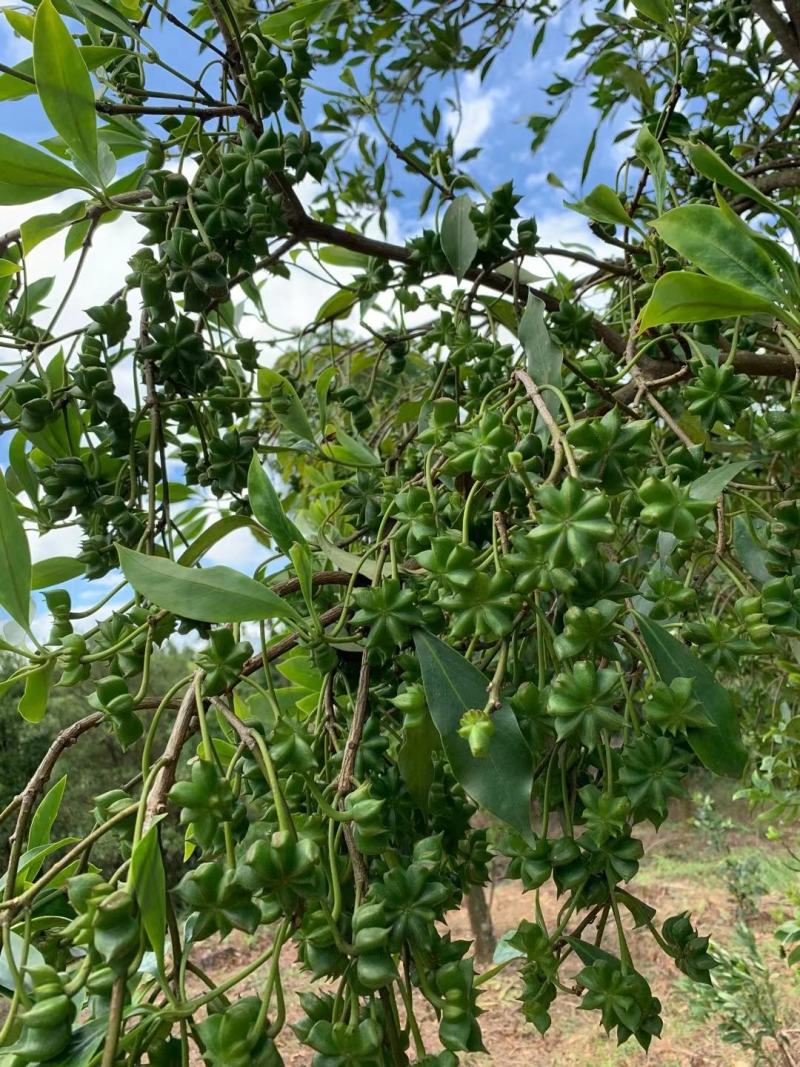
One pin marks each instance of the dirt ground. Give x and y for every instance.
(681, 872)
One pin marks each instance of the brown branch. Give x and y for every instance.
(781, 29)
(356, 728)
(27, 798)
(555, 430)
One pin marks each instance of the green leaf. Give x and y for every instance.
(415, 760)
(337, 306)
(603, 205)
(15, 561)
(40, 227)
(719, 747)
(55, 571)
(342, 257)
(33, 702)
(103, 14)
(65, 88)
(501, 781)
(292, 414)
(706, 162)
(8, 268)
(458, 238)
(13, 88)
(212, 535)
(543, 357)
(266, 506)
(214, 594)
(17, 945)
(657, 10)
(721, 245)
(710, 486)
(280, 23)
(346, 561)
(20, 23)
(651, 154)
(26, 174)
(681, 296)
(748, 551)
(352, 452)
(502, 311)
(149, 887)
(42, 822)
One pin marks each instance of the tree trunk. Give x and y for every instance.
(480, 919)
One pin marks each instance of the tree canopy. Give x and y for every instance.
(480, 562)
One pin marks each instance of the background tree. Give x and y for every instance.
(522, 547)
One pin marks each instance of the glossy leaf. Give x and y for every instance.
(720, 746)
(64, 86)
(337, 306)
(651, 154)
(37, 229)
(267, 508)
(148, 883)
(458, 238)
(603, 205)
(543, 357)
(27, 174)
(213, 594)
(711, 485)
(279, 24)
(657, 10)
(46, 573)
(42, 822)
(15, 561)
(722, 247)
(681, 296)
(292, 414)
(33, 702)
(502, 780)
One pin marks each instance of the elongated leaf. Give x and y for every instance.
(103, 14)
(706, 162)
(26, 174)
(8, 268)
(55, 571)
(347, 561)
(652, 155)
(543, 357)
(352, 451)
(20, 23)
(748, 551)
(501, 781)
(657, 10)
(603, 205)
(291, 413)
(710, 486)
(33, 702)
(310, 12)
(65, 88)
(40, 227)
(342, 257)
(149, 886)
(719, 746)
(722, 247)
(267, 508)
(42, 824)
(17, 945)
(681, 296)
(15, 561)
(214, 594)
(337, 306)
(458, 238)
(45, 814)
(212, 535)
(415, 760)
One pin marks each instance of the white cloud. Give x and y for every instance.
(478, 106)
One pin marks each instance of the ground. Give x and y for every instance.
(685, 868)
